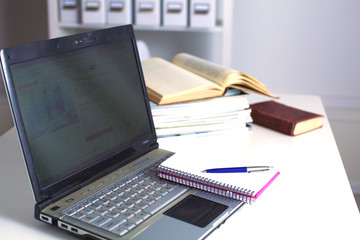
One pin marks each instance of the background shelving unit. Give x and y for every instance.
(212, 43)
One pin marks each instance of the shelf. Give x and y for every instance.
(140, 28)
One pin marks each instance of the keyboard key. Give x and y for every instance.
(87, 210)
(116, 202)
(78, 207)
(70, 212)
(156, 196)
(143, 195)
(138, 189)
(132, 194)
(143, 215)
(120, 231)
(101, 221)
(141, 205)
(150, 200)
(90, 217)
(136, 220)
(123, 198)
(95, 205)
(127, 225)
(86, 203)
(113, 224)
(134, 210)
(157, 205)
(152, 181)
(156, 186)
(112, 214)
(100, 212)
(78, 215)
(169, 188)
(108, 207)
(149, 191)
(143, 186)
(103, 201)
(121, 209)
(140, 180)
(135, 200)
(127, 204)
(162, 192)
(126, 188)
(126, 215)
(100, 194)
(112, 196)
(118, 192)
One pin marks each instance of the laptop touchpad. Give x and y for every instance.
(196, 210)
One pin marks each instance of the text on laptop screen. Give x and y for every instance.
(80, 106)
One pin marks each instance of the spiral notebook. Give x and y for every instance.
(201, 153)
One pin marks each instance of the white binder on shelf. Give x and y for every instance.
(93, 11)
(202, 13)
(69, 11)
(175, 13)
(119, 11)
(147, 12)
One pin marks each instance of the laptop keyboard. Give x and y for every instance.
(122, 206)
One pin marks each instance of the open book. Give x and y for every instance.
(189, 78)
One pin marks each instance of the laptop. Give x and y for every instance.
(80, 107)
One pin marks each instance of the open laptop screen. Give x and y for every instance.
(79, 107)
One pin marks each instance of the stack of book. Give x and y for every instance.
(192, 95)
(201, 116)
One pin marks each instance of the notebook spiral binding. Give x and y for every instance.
(206, 184)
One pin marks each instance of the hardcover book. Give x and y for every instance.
(289, 120)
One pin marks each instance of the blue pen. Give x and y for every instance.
(238, 169)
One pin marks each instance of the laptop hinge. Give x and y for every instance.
(54, 197)
(154, 145)
(41, 205)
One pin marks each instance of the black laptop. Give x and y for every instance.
(81, 111)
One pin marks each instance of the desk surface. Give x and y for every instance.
(311, 199)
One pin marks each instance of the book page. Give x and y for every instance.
(166, 80)
(247, 84)
(220, 75)
(206, 69)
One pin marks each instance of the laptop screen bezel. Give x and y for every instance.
(61, 45)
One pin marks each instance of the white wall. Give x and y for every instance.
(307, 47)
(166, 44)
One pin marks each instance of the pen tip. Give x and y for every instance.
(203, 171)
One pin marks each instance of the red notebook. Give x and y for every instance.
(285, 119)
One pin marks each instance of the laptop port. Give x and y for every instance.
(62, 225)
(45, 219)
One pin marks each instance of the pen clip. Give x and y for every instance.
(258, 169)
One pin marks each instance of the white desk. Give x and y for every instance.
(311, 199)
